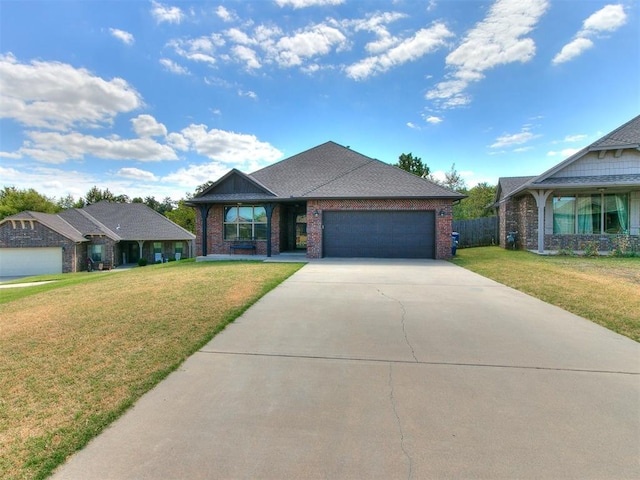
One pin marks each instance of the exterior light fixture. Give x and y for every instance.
(316, 213)
(442, 213)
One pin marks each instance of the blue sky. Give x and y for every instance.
(153, 98)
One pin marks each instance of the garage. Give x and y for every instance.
(379, 234)
(30, 261)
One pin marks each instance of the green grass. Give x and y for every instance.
(75, 354)
(604, 290)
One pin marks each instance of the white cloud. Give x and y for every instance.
(607, 19)
(413, 126)
(313, 41)
(564, 153)
(228, 147)
(432, 119)
(496, 40)
(55, 147)
(376, 23)
(164, 13)
(195, 175)
(58, 96)
(574, 138)
(137, 174)
(511, 139)
(226, 15)
(199, 49)
(13, 155)
(248, 93)
(247, 56)
(307, 3)
(572, 49)
(424, 41)
(123, 36)
(173, 67)
(147, 126)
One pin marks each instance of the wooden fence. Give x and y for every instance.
(479, 232)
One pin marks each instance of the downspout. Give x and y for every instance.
(541, 197)
(204, 214)
(269, 210)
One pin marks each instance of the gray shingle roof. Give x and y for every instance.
(52, 221)
(625, 136)
(333, 171)
(507, 185)
(118, 221)
(136, 221)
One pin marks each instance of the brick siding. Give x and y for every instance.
(217, 245)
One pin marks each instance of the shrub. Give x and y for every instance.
(142, 262)
(591, 249)
(566, 252)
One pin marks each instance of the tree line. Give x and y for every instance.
(14, 200)
(479, 199)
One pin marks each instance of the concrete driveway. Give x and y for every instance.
(393, 370)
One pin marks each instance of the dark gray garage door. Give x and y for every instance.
(379, 234)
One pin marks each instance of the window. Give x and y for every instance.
(245, 223)
(591, 214)
(157, 247)
(564, 214)
(96, 252)
(178, 248)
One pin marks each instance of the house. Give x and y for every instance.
(110, 234)
(590, 200)
(329, 201)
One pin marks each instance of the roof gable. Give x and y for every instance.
(593, 166)
(51, 221)
(333, 171)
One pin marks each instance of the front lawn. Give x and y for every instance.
(75, 354)
(605, 290)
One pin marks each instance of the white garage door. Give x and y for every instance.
(30, 261)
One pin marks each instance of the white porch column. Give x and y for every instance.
(541, 200)
(140, 243)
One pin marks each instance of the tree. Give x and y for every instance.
(411, 164)
(477, 204)
(203, 187)
(454, 181)
(183, 215)
(13, 200)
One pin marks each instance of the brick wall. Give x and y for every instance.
(443, 224)
(217, 245)
(32, 234)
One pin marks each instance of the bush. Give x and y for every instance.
(142, 262)
(591, 249)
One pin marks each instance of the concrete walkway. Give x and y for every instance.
(387, 370)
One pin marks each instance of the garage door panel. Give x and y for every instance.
(379, 234)
(30, 261)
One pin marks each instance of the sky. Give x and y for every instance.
(154, 98)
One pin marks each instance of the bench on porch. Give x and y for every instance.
(242, 246)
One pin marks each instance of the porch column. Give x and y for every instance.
(269, 211)
(140, 243)
(204, 214)
(541, 200)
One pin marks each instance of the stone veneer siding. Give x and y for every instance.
(217, 245)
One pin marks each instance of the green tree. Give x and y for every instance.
(411, 164)
(478, 203)
(13, 200)
(95, 195)
(202, 188)
(183, 215)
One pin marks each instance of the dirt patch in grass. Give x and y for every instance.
(601, 289)
(74, 358)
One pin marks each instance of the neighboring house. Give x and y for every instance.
(110, 234)
(329, 201)
(590, 199)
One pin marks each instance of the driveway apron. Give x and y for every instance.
(389, 369)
